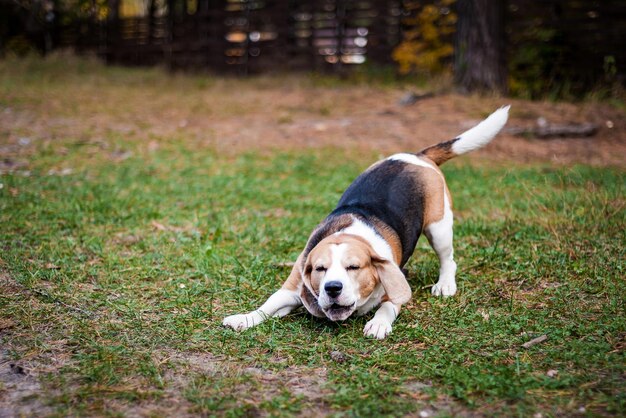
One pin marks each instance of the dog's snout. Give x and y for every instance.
(333, 288)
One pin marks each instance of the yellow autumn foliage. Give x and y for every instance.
(426, 44)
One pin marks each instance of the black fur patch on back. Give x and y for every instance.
(392, 194)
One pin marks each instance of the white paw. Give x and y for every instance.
(444, 288)
(377, 329)
(239, 322)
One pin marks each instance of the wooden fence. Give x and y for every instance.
(253, 36)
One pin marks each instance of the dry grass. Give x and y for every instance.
(282, 113)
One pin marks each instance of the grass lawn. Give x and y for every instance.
(120, 254)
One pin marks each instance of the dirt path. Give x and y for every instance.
(233, 116)
(369, 120)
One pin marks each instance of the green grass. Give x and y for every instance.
(115, 279)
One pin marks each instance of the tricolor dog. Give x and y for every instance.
(353, 260)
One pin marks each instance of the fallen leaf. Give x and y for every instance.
(284, 264)
(485, 315)
(158, 226)
(534, 341)
(6, 323)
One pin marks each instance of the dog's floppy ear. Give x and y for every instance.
(306, 267)
(393, 280)
(309, 299)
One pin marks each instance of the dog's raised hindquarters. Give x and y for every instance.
(353, 260)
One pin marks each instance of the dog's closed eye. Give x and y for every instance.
(320, 268)
(353, 267)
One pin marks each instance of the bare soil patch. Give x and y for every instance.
(234, 116)
(20, 389)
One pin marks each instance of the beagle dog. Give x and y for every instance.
(353, 260)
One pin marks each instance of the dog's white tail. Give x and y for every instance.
(477, 137)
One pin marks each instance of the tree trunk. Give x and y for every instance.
(479, 62)
(151, 13)
(114, 10)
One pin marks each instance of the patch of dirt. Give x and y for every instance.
(308, 383)
(257, 385)
(291, 116)
(19, 389)
(371, 120)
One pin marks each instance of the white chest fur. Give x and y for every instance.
(380, 246)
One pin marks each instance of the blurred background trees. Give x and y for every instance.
(555, 48)
(427, 45)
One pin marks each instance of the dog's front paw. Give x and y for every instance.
(377, 328)
(444, 288)
(240, 322)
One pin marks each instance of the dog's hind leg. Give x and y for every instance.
(440, 235)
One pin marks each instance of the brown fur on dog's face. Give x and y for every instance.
(349, 262)
(356, 259)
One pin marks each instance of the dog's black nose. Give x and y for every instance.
(333, 289)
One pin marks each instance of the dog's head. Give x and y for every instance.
(342, 271)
